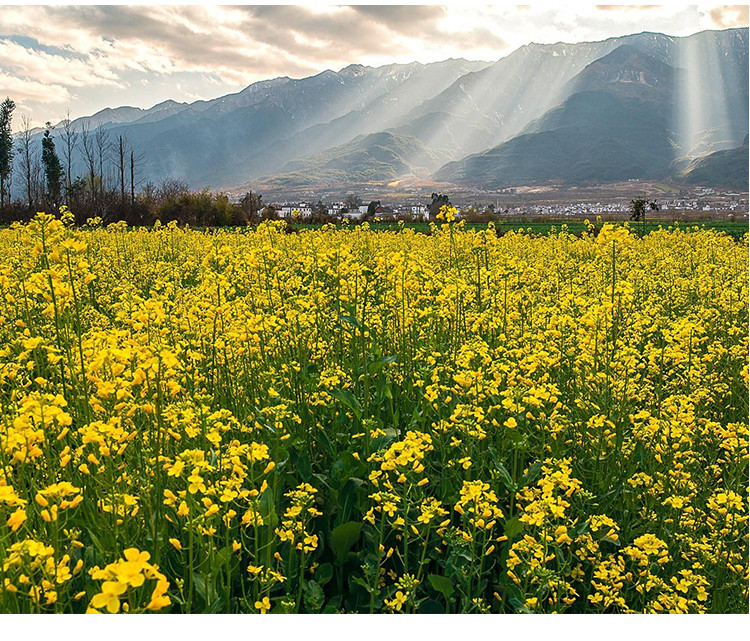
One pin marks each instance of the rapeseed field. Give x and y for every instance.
(344, 420)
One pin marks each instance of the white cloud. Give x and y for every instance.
(728, 15)
(212, 50)
(24, 91)
(49, 68)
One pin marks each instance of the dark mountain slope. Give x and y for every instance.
(373, 117)
(526, 92)
(728, 168)
(533, 79)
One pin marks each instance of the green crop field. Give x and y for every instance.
(732, 228)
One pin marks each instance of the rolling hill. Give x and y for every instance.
(379, 157)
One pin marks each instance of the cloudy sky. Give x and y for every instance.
(87, 57)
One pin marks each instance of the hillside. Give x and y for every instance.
(613, 126)
(373, 158)
(728, 168)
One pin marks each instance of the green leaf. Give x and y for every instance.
(314, 596)
(324, 573)
(199, 583)
(95, 540)
(358, 580)
(301, 463)
(441, 584)
(326, 443)
(431, 606)
(348, 399)
(348, 495)
(380, 363)
(217, 605)
(579, 529)
(389, 435)
(513, 527)
(267, 508)
(339, 473)
(223, 557)
(350, 320)
(505, 477)
(310, 369)
(333, 606)
(532, 475)
(615, 542)
(343, 538)
(323, 480)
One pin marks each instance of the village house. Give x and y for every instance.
(355, 214)
(287, 210)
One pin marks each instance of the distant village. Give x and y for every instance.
(340, 210)
(701, 201)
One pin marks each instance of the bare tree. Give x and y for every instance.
(132, 178)
(248, 207)
(149, 191)
(171, 188)
(121, 160)
(88, 150)
(38, 192)
(137, 160)
(69, 138)
(352, 201)
(9, 185)
(103, 146)
(26, 160)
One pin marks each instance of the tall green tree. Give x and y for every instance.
(53, 170)
(6, 148)
(638, 208)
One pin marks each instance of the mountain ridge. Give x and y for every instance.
(435, 119)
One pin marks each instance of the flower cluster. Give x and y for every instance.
(124, 583)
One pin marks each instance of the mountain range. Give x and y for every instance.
(644, 106)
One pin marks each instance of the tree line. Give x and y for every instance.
(100, 175)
